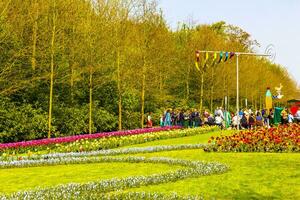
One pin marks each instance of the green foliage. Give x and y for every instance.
(106, 95)
(104, 120)
(21, 122)
(72, 121)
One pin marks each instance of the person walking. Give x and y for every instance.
(284, 116)
(168, 118)
(259, 120)
(219, 121)
(290, 118)
(244, 122)
(251, 121)
(181, 117)
(149, 120)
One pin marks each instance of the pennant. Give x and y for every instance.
(197, 60)
(214, 60)
(231, 55)
(221, 57)
(197, 56)
(226, 56)
(197, 65)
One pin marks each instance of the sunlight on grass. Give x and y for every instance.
(251, 176)
(16, 179)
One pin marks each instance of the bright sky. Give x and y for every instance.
(268, 21)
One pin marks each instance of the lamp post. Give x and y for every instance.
(269, 52)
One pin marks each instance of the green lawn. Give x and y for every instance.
(16, 179)
(251, 175)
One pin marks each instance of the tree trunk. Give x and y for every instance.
(91, 101)
(143, 92)
(72, 68)
(212, 90)
(34, 36)
(51, 73)
(201, 92)
(187, 83)
(119, 91)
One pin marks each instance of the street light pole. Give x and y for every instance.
(269, 52)
(237, 92)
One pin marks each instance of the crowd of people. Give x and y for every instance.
(247, 119)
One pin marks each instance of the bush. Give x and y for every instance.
(75, 120)
(18, 123)
(72, 121)
(104, 120)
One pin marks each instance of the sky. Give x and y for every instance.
(274, 22)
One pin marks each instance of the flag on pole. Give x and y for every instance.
(215, 56)
(197, 60)
(197, 66)
(226, 56)
(214, 59)
(221, 57)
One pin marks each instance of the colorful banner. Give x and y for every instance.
(221, 57)
(197, 60)
(197, 66)
(214, 59)
(226, 56)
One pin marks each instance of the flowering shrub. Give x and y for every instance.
(284, 138)
(98, 141)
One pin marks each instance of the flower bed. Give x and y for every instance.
(278, 139)
(81, 191)
(91, 195)
(110, 152)
(105, 142)
(45, 142)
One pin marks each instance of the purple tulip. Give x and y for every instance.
(68, 139)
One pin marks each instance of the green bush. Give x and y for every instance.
(75, 120)
(23, 122)
(72, 121)
(104, 120)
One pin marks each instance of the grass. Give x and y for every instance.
(251, 175)
(16, 179)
